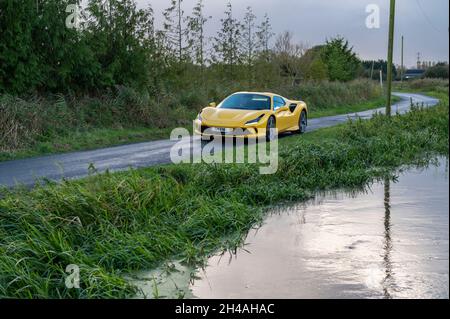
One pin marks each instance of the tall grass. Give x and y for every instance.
(425, 85)
(111, 224)
(327, 95)
(24, 122)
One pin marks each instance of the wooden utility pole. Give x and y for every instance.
(402, 67)
(390, 55)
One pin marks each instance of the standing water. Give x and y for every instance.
(389, 242)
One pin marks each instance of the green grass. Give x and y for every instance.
(113, 224)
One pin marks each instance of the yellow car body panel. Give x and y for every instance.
(286, 118)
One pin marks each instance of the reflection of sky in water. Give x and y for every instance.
(391, 242)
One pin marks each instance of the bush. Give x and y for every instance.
(438, 71)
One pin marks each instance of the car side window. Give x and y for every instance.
(278, 102)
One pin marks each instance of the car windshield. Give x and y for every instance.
(245, 101)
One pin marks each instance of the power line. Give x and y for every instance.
(427, 17)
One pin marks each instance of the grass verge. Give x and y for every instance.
(112, 224)
(346, 109)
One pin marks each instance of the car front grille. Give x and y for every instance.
(223, 133)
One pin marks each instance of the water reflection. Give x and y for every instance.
(387, 282)
(389, 241)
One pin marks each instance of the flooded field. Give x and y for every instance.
(391, 241)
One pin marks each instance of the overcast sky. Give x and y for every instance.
(424, 23)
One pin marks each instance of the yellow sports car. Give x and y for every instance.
(252, 115)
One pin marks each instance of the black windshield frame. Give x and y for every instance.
(247, 101)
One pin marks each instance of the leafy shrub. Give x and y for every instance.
(439, 71)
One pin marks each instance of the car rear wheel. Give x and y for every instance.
(302, 122)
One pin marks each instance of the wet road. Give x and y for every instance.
(76, 164)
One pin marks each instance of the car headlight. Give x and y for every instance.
(255, 120)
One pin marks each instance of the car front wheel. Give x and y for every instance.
(270, 129)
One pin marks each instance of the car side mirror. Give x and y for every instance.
(212, 104)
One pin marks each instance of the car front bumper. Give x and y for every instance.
(249, 131)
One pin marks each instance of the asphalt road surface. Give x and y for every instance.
(76, 164)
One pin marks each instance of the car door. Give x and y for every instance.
(282, 113)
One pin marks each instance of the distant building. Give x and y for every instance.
(413, 74)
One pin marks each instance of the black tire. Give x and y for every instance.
(302, 122)
(270, 125)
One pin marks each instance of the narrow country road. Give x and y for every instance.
(75, 164)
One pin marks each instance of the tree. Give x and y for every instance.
(318, 71)
(227, 44)
(19, 63)
(248, 36)
(377, 66)
(157, 53)
(197, 39)
(288, 55)
(312, 65)
(175, 30)
(264, 35)
(37, 50)
(119, 36)
(342, 63)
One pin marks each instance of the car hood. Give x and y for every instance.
(218, 116)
